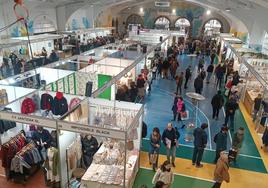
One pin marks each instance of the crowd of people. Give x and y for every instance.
(225, 79)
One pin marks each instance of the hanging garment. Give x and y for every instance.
(52, 164)
(60, 105)
(28, 106)
(46, 101)
(263, 120)
(265, 137)
(74, 102)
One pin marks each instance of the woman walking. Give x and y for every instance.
(155, 143)
(221, 172)
(164, 174)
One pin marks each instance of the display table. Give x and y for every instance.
(249, 100)
(110, 176)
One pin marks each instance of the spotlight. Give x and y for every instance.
(208, 12)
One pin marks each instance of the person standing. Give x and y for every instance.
(219, 75)
(230, 107)
(141, 86)
(220, 140)
(179, 81)
(198, 84)
(174, 107)
(210, 70)
(238, 139)
(155, 143)
(180, 108)
(188, 74)
(217, 103)
(200, 142)
(221, 172)
(257, 106)
(169, 139)
(164, 174)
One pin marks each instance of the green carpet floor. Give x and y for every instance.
(144, 177)
(243, 162)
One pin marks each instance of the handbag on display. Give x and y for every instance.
(184, 115)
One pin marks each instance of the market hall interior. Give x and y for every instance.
(131, 93)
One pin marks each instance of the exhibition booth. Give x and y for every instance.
(116, 127)
(35, 78)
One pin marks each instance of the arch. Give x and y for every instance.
(182, 24)
(134, 19)
(162, 22)
(212, 26)
(43, 24)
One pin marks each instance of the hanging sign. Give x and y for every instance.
(28, 119)
(96, 131)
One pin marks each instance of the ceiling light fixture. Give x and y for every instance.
(174, 11)
(208, 12)
(228, 9)
(141, 10)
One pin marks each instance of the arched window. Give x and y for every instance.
(182, 24)
(212, 27)
(162, 23)
(43, 24)
(134, 19)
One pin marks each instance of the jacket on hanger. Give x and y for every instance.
(46, 101)
(59, 105)
(73, 102)
(27, 106)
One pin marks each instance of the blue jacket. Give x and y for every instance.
(200, 138)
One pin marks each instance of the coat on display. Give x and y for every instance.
(59, 105)
(46, 101)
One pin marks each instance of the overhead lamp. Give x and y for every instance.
(228, 9)
(208, 12)
(174, 11)
(141, 10)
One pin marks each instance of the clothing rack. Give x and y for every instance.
(13, 139)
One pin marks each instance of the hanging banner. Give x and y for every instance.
(96, 131)
(28, 119)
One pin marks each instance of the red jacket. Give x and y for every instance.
(27, 106)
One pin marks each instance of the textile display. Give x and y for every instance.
(118, 118)
(82, 79)
(74, 154)
(27, 106)
(60, 105)
(3, 97)
(52, 164)
(6, 125)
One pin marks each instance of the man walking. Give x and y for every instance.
(188, 74)
(230, 107)
(220, 140)
(169, 139)
(198, 84)
(217, 103)
(179, 81)
(200, 142)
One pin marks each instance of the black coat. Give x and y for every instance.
(230, 107)
(200, 138)
(44, 136)
(217, 101)
(89, 146)
(171, 135)
(59, 106)
(265, 137)
(188, 73)
(6, 125)
(221, 141)
(198, 83)
(46, 101)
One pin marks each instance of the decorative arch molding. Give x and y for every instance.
(43, 24)
(134, 19)
(162, 22)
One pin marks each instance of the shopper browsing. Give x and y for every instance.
(221, 172)
(164, 174)
(220, 140)
(238, 139)
(200, 142)
(230, 107)
(188, 74)
(257, 106)
(217, 103)
(169, 139)
(155, 143)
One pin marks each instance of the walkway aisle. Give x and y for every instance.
(158, 113)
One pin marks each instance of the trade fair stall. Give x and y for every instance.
(36, 78)
(106, 137)
(11, 93)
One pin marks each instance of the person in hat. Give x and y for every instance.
(220, 140)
